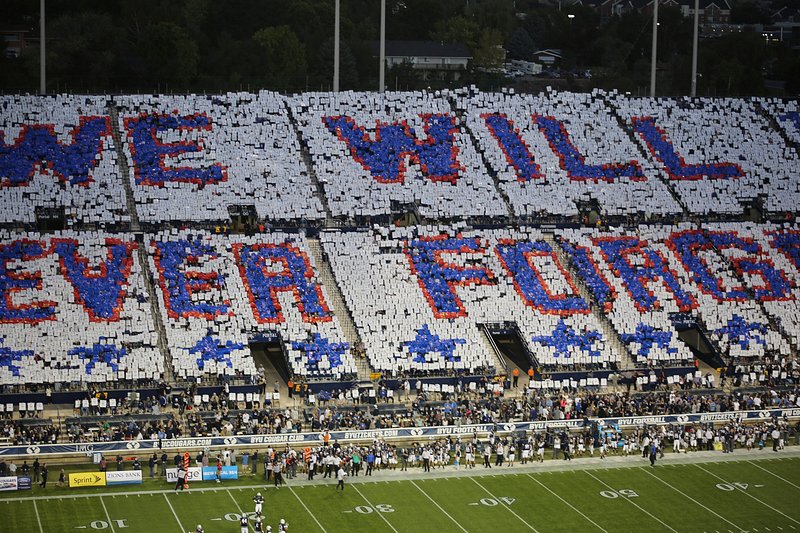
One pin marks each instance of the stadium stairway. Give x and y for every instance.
(305, 155)
(340, 308)
(141, 249)
(122, 164)
(609, 333)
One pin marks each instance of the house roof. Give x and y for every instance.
(424, 49)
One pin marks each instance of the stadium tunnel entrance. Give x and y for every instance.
(510, 345)
(269, 353)
(693, 335)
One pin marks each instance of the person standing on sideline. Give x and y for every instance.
(36, 469)
(181, 478)
(487, 454)
(776, 436)
(219, 470)
(44, 475)
(515, 374)
(340, 478)
(62, 478)
(653, 452)
(152, 464)
(258, 499)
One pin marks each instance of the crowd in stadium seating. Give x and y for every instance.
(370, 150)
(64, 158)
(193, 156)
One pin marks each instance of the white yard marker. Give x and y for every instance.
(765, 504)
(545, 487)
(307, 509)
(108, 516)
(689, 497)
(370, 504)
(504, 505)
(38, 519)
(439, 506)
(630, 501)
(174, 513)
(774, 474)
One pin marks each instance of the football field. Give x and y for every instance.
(758, 491)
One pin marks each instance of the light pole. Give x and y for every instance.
(381, 72)
(335, 48)
(653, 51)
(694, 47)
(42, 79)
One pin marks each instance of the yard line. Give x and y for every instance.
(173, 513)
(439, 506)
(642, 509)
(38, 519)
(687, 496)
(504, 504)
(108, 516)
(241, 512)
(370, 504)
(545, 487)
(774, 474)
(307, 509)
(765, 504)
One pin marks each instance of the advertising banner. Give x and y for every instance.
(8, 483)
(194, 474)
(125, 477)
(87, 479)
(24, 483)
(228, 472)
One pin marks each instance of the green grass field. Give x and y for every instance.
(757, 492)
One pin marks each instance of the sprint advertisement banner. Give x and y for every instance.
(311, 439)
(87, 479)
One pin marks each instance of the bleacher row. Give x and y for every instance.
(75, 304)
(191, 157)
(75, 307)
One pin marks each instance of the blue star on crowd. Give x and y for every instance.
(743, 332)
(426, 343)
(8, 357)
(98, 352)
(318, 346)
(647, 336)
(210, 349)
(564, 337)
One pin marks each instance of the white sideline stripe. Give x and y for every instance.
(174, 513)
(687, 496)
(774, 474)
(370, 504)
(38, 519)
(307, 509)
(108, 516)
(132, 493)
(504, 505)
(241, 511)
(439, 506)
(545, 487)
(630, 501)
(765, 504)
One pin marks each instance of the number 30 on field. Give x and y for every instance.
(612, 494)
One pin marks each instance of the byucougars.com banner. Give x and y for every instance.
(254, 441)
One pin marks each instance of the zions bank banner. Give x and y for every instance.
(245, 441)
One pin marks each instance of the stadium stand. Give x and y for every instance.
(418, 295)
(193, 156)
(58, 153)
(553, 151)
(371, 150)
(74, 310)
(220, 292)
(720, 155)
